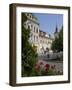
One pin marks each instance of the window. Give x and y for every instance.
(31, 26)
(32, 38)
(36, 38)
(34, 29)
(37, 30)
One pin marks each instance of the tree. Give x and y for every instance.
(29, 55)
(61, 39)
(57, 44)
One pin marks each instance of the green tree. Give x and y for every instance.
(57, 44)
(29, 55)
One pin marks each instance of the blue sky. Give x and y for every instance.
(48, 22)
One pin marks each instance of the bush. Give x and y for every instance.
(45, 70)
(57, 44)
(29, 55)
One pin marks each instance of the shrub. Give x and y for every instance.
(45, 70)
(29, 55)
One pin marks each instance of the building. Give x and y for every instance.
(33, 25)
(45, 42)
(56, 33)
(38, 37)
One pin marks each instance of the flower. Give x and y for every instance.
(47, 66)
(46, 69)
(41, 63)
(53, 66)
(37, 66)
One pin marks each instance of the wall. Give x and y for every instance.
(4, 45)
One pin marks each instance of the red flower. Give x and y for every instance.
(41, 63)
(46, 69)
(47, 66)
(37, 66)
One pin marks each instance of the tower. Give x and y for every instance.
(56, 32)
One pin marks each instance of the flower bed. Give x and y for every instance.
(42, 70)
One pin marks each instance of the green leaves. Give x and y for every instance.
(24, 18)
(29, 55)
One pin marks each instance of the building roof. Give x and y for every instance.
(32, 17)
(44, 35)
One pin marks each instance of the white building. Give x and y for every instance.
(38, 38)
(45, 42)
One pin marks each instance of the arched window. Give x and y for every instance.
(37, 30)
(34, 28)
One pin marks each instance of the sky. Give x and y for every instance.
(48, 22)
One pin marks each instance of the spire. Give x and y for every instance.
(56, 30)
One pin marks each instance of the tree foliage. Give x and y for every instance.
(29, 55)
(57, 44)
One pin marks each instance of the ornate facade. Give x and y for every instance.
(38, 38)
